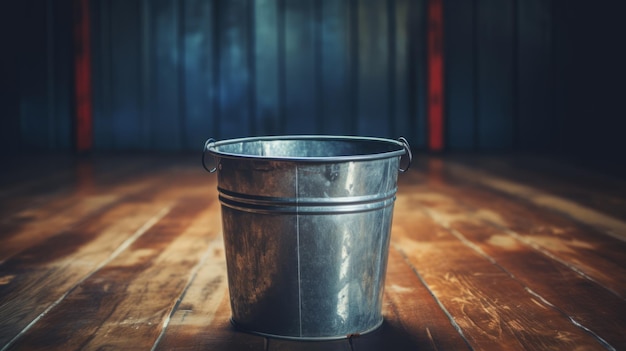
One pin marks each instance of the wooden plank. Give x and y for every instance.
(206, 292)
(335, 68)
(301, 99)
(492, 308)
(373, 95)
(413, 319)
(233, 40)
(24, 174)
(586, 187)
(125, 80)
(37, 279)
(57, 213)
(495, 74)
(201, 320)
(460, 71)
(219, 334)
(132, 295)
(197, 72)
(592, 307)
(612, 226)
(267, 114)
(20, 234)
(599, 258)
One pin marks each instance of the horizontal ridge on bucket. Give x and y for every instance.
(266, 204)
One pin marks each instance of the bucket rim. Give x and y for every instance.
(402, 148)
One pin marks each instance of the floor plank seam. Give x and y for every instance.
(575, 322)
(143, 229)
(547, 253)
(192, 278)
(455, 325)
(482, 253)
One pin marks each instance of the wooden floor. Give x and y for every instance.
(487, 253)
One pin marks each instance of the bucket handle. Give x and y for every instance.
(207, 145)
(407, 148)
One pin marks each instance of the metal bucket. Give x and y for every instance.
(306, 223)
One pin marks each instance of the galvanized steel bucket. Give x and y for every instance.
(306, 225)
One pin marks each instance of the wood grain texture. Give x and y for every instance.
(586, 302)
(127, 253)
(84, 201)
(60, 270)
(608, 224)
(413, 320)
(600, 191)
(491, 307)
(109, 302)
(592, 253)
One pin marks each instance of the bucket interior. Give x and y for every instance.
(312, 148)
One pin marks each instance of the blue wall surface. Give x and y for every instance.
(167, 74)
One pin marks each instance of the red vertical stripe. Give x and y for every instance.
(82, 75)
(435, 99)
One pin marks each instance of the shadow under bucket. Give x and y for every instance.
(306, 223)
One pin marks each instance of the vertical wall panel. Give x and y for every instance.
(166, 118)
(460, 73)
(266, 53)
(335, 67)
(233, 68)
(589, 76)
(34, 73)
(167, 74)
(101, 71)
(300, 68)
(10, 20)
(373, 92)
(125, 74)
(197, 71)
(495, 74)
(401, 125)
(146, 69)
(43, 66)
(417, 74)
(536, 127)
(60, 94)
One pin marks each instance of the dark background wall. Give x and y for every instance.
(521, 75)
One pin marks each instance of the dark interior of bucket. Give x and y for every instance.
(299, 148)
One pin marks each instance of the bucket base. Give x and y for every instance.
(306, 338)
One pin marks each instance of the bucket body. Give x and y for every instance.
(306, 225)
